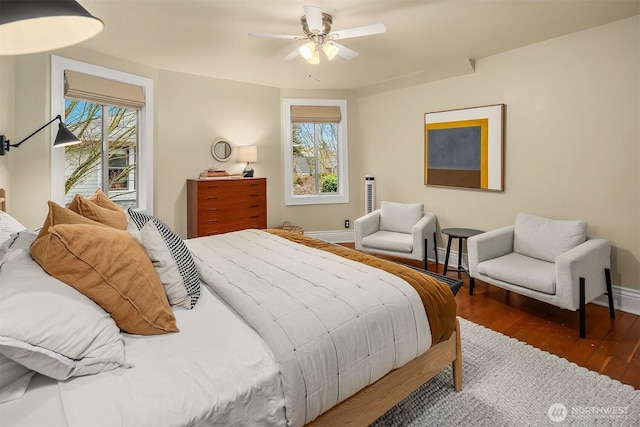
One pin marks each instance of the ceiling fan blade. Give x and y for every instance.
(314, 18)
(276, 36)
(366, 30)
(345, 52)
(294, 53)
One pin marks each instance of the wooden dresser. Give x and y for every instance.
(223, 205)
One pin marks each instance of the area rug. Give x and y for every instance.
(509, 383)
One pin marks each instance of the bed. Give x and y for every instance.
(280, 329)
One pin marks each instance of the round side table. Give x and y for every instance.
(460, 234)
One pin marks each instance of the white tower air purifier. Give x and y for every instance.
(369, 194)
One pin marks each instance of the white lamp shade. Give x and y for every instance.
(330, 50)
(306, 50)
(248, 153)
(315, 58)
(38, 26)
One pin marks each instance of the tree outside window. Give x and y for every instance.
(315, 158)
(107, 156)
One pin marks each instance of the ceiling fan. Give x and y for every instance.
(316, 26)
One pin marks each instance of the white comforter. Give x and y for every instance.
(215, 372)
(334, 325)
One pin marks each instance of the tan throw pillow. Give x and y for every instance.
(102, 200)
(100, 211)
(59, 215)
(111, 268)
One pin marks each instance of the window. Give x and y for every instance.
(121, 170)
(315, 151)
(111, 113)
(113, 151)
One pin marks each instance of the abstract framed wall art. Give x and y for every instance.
(465, 148)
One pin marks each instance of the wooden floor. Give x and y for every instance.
(611, 347)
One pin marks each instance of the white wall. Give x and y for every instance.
(192, 113)
(572, 138)
(7, 108)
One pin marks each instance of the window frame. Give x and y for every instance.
(342, 195)
(130, 183)
(145, 178)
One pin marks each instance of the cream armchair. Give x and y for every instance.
(398, 229)
(549, 260)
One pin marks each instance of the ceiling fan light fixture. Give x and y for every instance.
(316, 26)
(307, 50)
(315, 58)
(330, 50)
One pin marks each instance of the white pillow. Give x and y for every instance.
(8, 226)
(400, 217)
(14, 379)
(170, 257)
(545, 238)
(131, 225)
(20, 240)
(49, 327)
(150, 237)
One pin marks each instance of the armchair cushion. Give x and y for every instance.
(400, 217)
(545, 238)
(521, 270)
(389, 241)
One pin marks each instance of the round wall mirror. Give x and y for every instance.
(221, 150)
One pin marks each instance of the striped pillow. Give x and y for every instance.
(170, 257)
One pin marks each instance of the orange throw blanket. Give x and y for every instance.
(436, 296)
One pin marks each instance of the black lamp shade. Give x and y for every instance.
(65, 137)
(29, 26)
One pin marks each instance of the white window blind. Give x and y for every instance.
(102, 91)
(315, 114)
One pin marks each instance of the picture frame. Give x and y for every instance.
(464, 148)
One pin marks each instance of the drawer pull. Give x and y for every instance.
(212, 198)
(212, 210)
(212, 187)
(255, 216)
(212, 221)
(255, 185)
(254, 195)
(254, 206)
(211, 233)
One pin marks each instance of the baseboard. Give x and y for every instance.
(624, 299)
(453, 258)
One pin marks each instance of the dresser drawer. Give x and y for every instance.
(221, 206)
(232, 207)
(230, 192)
(225, 214)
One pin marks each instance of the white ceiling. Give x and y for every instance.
(424, 39)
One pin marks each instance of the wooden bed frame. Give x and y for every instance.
(372, 402)
(3, 200)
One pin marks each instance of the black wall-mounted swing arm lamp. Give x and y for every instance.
(63, 138)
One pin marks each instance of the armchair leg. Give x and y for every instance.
(426, 258)
(435, 249)
(607, 276)
(582, 309)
